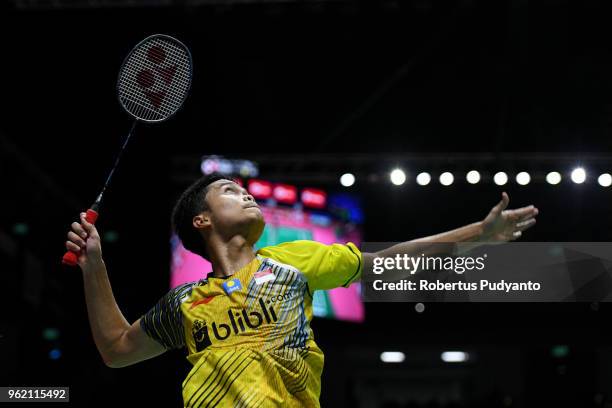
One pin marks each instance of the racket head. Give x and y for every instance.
(155, 78)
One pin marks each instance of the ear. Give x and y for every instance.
(201, 221)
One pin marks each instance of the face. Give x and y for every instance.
(232, 211)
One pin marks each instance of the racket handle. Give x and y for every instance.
(70, 258)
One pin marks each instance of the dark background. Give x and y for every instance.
(310, 90)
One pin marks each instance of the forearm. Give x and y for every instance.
(469, 237)
(444, 243)
(106, 320)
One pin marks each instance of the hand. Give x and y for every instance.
(503, 225)
(85, 241)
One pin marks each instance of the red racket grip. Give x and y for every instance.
(70, 257)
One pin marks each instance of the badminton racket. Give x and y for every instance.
(153, 82)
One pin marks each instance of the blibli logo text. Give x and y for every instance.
(241, 321)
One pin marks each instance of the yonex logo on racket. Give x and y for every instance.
(147, 78)
(155, 77)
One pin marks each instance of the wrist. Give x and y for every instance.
(93, 265)
(480, 234)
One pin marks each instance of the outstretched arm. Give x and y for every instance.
(500, 225)
(119, 343)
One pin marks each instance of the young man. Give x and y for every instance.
(246, 325)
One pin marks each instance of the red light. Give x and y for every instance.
(314, 198)
(286, 194)
(259, 189)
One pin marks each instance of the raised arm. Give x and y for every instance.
(500, 225)
(119, 343)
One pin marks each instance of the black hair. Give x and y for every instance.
(191, 203)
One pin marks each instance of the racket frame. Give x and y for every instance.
(125, 60)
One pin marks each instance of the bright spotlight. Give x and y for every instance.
(423, 179)
(455, 357)
(578, 175)
(446, 178)
(605, 180)
(347, 179)
(473, 177)
(500, 178)
(523, 178)
(392, 357)
(398, 177)
(553, 177)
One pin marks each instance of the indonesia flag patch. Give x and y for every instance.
(264, 276)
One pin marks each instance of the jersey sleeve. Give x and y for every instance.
(324, 266)
(164, 321)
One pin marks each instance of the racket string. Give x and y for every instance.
(182, 74)
(175, 102)
(175, 55)
(141, 107)
(134, 96)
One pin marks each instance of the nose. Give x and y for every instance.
(247, 197)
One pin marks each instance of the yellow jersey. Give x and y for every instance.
(248, 335)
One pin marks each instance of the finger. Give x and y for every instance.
(505, 200)
(87, 226)
(526, 217)
(76, 227)
(516, 234)
(71, 246)
(526, 212)
(76, 239)
(522, 226)
(502, 204)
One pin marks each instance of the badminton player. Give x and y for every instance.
(246, 325)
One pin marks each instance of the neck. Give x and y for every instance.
(228, 257)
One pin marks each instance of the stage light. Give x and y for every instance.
(347, 179)
(553, 177)
(110, 236)
(219, 164)
(285, 193)
(314, 198)
(560, 351)
(55, 354)
(260, 189)
(605, 180)
(578, 175)
(392, 357)
(500, 178)
(473, 177)
(423, 179)
(523, 178)
(398, 177)
(455, 357)
(21, 229)
(50, 334)
(446, 178)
